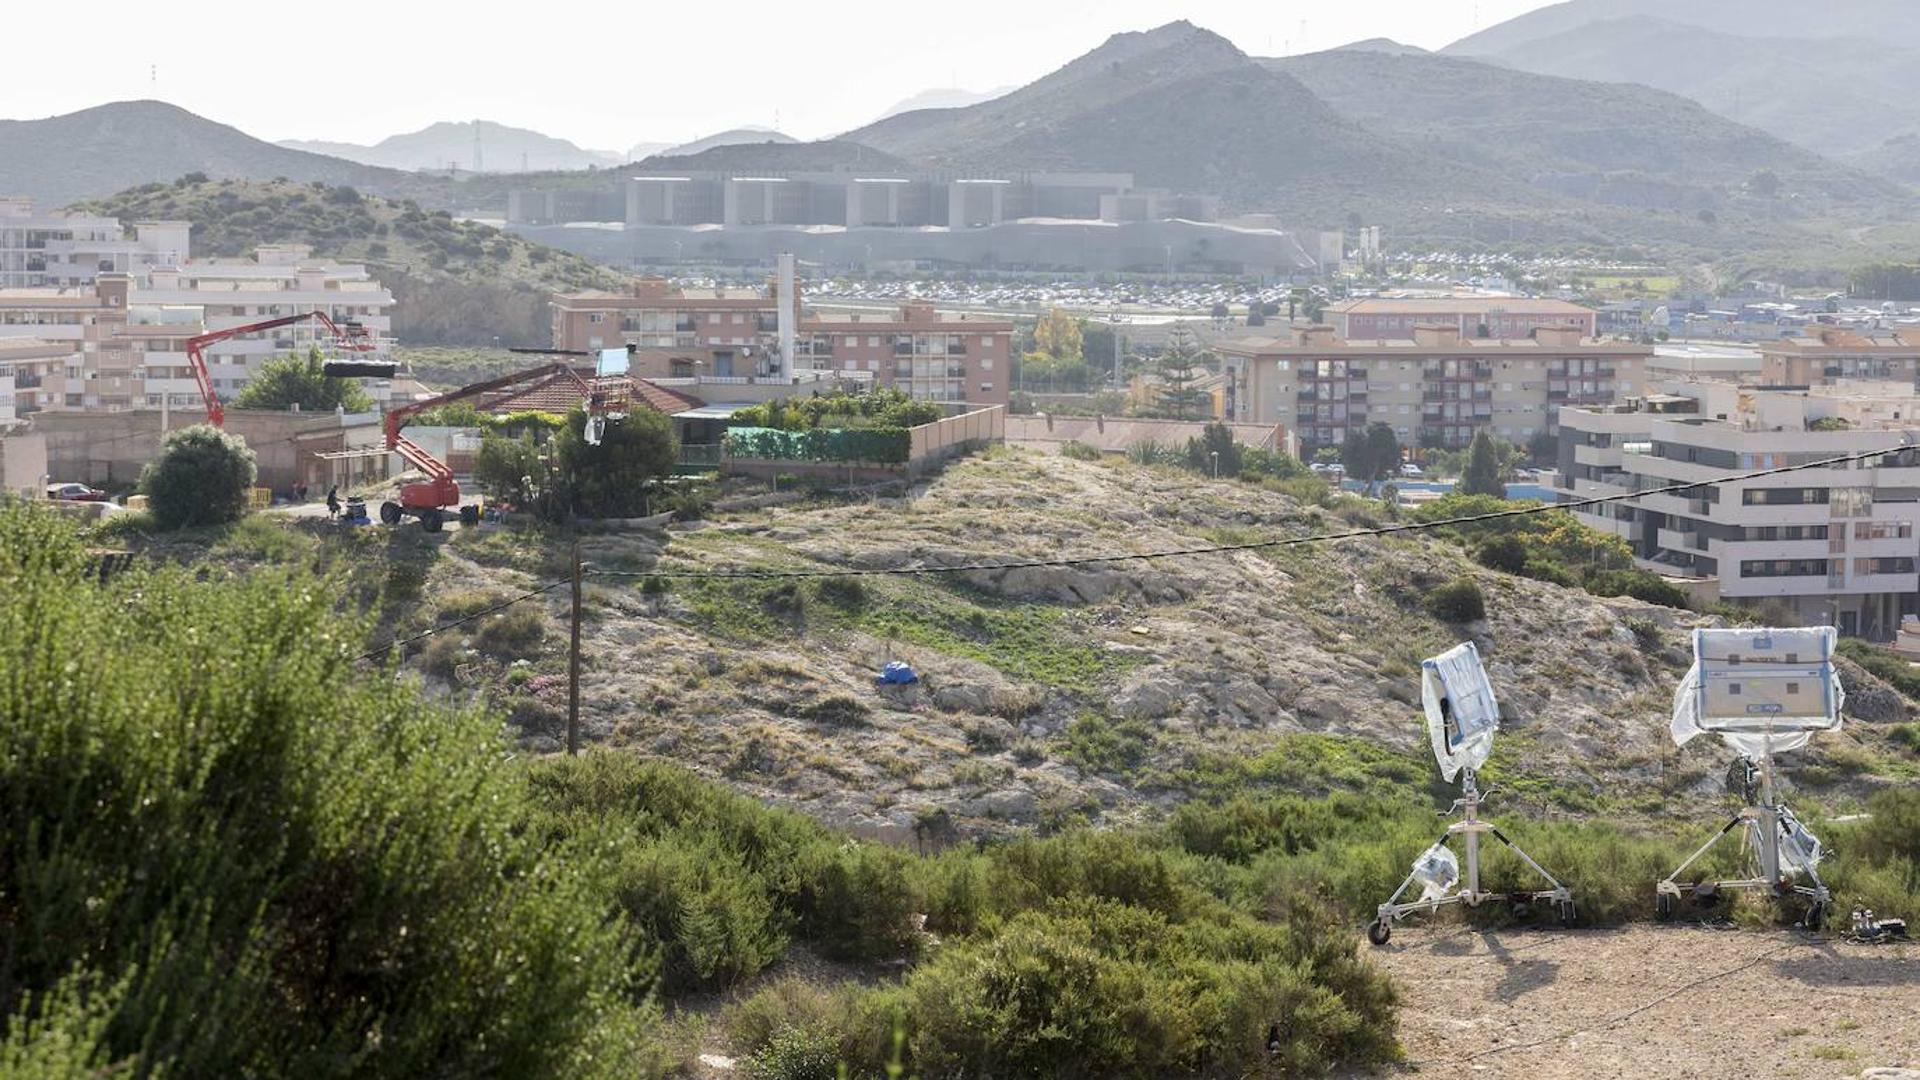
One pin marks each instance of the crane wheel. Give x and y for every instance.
(470, 516)
(431, 519)
(390, 513)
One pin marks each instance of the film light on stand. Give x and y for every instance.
(1463, 717)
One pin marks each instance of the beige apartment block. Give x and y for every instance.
(1435, 387)
(1472, 316)
(1826, 355)
(734, 333)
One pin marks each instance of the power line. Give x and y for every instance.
(444, 627)
(1255, 545)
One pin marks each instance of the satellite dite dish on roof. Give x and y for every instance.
(1763, 692)
(1462, 718)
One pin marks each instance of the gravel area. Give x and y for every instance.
(1653, 1002)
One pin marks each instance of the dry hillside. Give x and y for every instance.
(1106, 692)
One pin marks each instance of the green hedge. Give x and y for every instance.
(883, 445)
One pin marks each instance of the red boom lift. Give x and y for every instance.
(430, 499)
(351, 337)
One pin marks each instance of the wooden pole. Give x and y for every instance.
(573, 663)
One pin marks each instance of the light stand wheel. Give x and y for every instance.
(1663, 907)
(1379, 932)
(1816, 915)
(1567, 914)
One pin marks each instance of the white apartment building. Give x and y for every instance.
(54, 249)
(281, 279)
(127, 339)
(1837, 545)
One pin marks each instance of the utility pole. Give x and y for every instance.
(573, 663)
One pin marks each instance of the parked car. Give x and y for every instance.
(1412, 470)
(75, 493)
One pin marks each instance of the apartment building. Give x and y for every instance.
(1836, 545)
(127, 338)
(1821, 356)
(1434, 387)
(281, 279)
(734, 333)
(1504, 317)
(55, 249)
(916, 349)
(27, 365)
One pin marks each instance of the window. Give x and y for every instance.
(986, 388)
(1901, 565)
(1782, 496)
(986, 363)
(1759, 568)
(873, 341)
(596, 317)
(1883, 530)
(986, 343)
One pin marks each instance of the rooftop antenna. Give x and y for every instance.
(1763, 691)
(1462, 718)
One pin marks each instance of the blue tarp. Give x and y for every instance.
(896, 674)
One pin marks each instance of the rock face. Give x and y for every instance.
(1095, 690)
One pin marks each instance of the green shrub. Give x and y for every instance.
(1080, 451)
(1504, 553)
(513, 633)
(1458, 601)
(1100, 745)
(270, 853)
(796, 1054)
(1098, 988)
(201, 477)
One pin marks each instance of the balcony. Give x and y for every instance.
(27, 382)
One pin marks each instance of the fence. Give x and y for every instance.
(873, 454)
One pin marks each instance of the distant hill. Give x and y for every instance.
(644, 150)
(109, 148)
(503, 149)
(1888, 22)
(1181, 107)
(1833, 95)
(457, 282)
(942, 98)
(797, 156)
(1604, 142)
(1383, 45)
(754, 136)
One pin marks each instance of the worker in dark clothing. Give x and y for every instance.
(333, 501)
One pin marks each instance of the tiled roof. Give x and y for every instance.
(559, 394)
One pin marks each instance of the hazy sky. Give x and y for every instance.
(607, 75)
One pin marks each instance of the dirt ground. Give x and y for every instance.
(1653, 1002)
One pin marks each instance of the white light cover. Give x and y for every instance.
(1761, 690)
(1462, 729)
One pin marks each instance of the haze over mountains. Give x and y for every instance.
(1440, 144)
(453, 143)
(1841, 78)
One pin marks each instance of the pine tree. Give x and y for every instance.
(1181, 364)
(1482, 476)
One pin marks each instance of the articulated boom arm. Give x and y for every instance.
(432, 466)
(352, 337)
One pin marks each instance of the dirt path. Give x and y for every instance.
(1653, 1002)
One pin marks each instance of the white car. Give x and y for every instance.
(1410, 469)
